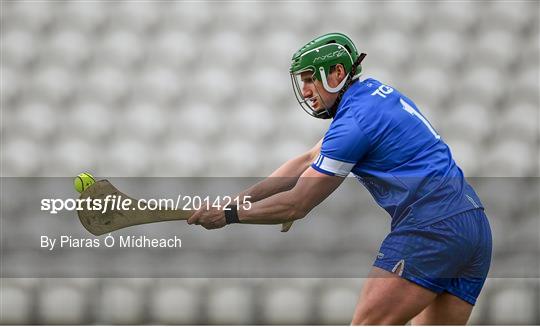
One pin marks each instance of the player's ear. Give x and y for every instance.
(340, 69)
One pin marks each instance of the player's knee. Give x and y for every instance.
(375, 315)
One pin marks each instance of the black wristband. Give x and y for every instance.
(231, 214)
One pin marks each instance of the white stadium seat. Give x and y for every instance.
(72, 156)
(121, 47)
(443, 48)
(513, 304)
(175, 304)
(119, 303)
(106, 83)
(188, 16)
(173, 48)
(429, 85)
(159, 85)
(90, 120)
(15, 156)
(62, 304)
(226, 49)
(137, 16)
(496, 48)
(230, 305)
(337, 302)
(215, 84)
(180, 157)
(482, 84)
(466, 155)
(33, 117)
(70, 48)
(287, 305)
(86, 16)
(389, 48)
(53, 84)
(507, 158)
(32, 16)
(16, 304)
(457, 16)
(19, 47)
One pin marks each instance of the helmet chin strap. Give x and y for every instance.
(328, 87)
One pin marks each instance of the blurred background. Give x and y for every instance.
(175, 88)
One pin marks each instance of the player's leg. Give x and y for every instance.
(446, 309)
(390, 300)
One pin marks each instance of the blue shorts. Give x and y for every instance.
(452, 255)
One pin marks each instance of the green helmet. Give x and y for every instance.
(319, 56)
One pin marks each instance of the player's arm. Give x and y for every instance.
(310, 190)
(284, 178)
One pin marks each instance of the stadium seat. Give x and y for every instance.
(246, 18)
(15, 156)
(175, 304)
(34, 17)
(16, 304)
(508, 158)
(197, 122)
(121, 48)
(287, 305)
(159, 85)
(69, 48)
(253, 120)
(72, 156)
(524, 86)
(108, 84)
(384, 45)
(30, 118)
(173, 48)
(235, 158)
(119, 303)
(139, 16)
(518, 122)
(337, 302)
(513, 303)
(276, 49)
(53, 84)
(84, 16)
(482, 84)
(18, 48)
(459, 17)
(182, 158)
(227, 50)
(496, 48)
(465, 154)
(440, 48)
(123, 158)
(61, 304)
(191, 17)
(475, 128)
(428, 85)
(217, 85)
(230, 305)
(90, 120)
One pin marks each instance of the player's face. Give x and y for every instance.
(313, 90)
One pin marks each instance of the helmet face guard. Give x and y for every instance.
(307, 104)
(318, 57)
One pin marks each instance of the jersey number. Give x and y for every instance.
(408, 108)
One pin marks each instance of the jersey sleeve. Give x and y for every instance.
(344, 145)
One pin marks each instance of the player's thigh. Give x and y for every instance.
(389, 299)
(446, 309)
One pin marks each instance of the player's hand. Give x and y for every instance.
(209, 219)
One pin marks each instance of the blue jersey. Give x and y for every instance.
(380, 136)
